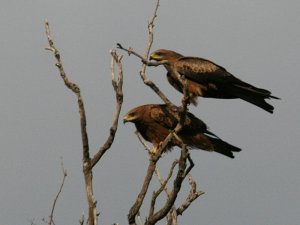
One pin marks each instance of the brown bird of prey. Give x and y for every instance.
(207, 79)
(154, 123)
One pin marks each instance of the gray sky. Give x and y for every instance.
(258, 41)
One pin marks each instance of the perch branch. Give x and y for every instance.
(172, 215)
(151, 168)
(145, 60)
(182, 162)
(182, 172)
(153, 219)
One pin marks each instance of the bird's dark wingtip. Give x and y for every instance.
(237, 149)
(271, 96)
(230, 155)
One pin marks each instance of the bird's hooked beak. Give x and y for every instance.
(153, 56)
(126, 119)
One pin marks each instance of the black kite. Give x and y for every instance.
(154, 123)
(209, 80)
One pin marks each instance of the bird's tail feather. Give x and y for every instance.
(254, 96)
(210, 142)
(224, 148)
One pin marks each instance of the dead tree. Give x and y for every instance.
(184, 163)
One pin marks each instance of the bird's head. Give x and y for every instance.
(163, 54)
(131, 116)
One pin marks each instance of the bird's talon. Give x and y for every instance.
(152, 156)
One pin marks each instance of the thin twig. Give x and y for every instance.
(172, 215)
(142, 140)
(74, 88)
(193, 195)
(117, 83)
(162, 187)
(161, 181)
(145, 60)
(143, 75)
(58, 194)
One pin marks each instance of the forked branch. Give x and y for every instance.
(89, 163)
(146, 63)
(193, 195)
(87, 170)
(117, 83)
(145, 60)
(74, 88)
(153, 217)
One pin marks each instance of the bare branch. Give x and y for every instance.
(74, 88)
(87, 169)
(193, 195)
(176, 188)
(177, 184)
(150, 29)
(172, 215)
(142, 140)
(182, 172)
(89, 163)
(139, 201)
(162, 187)
(58, 194)
(146, 63)
(117, 83)
(161, 181)
(151, 168)
(145, 60)
(139, 219)
(150, 40)
(164, 183)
